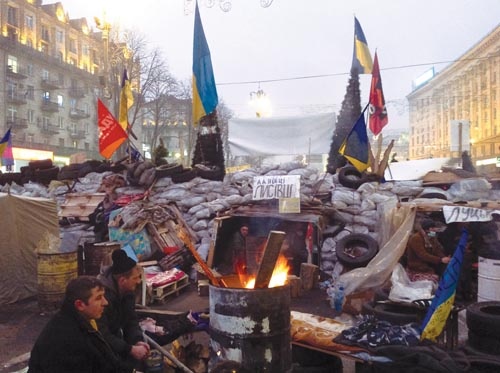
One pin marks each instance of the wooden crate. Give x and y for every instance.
(162, 292)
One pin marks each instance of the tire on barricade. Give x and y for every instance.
(356, 249)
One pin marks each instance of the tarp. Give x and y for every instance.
(27, 223)
(310, 134)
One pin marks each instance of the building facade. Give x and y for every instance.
(459, 108)
(49, 70)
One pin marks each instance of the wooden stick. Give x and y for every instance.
(176, 361)
(208, 272)
(269, 257)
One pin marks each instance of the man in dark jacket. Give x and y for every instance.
(119, 323)
(70, 342)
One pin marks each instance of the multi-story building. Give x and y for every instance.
(459, 108)
(49, 74)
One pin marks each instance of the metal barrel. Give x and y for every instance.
(250, 327)
(488, 280)
(95, 253)
(54, 271)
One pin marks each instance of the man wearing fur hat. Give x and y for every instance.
(119, 324)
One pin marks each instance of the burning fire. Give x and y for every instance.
(278, 278)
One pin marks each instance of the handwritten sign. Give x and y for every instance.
(453, 214)
(271, 187)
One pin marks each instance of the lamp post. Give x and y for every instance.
(105, 27)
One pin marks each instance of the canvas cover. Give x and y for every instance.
(311, 134)
(27, 223)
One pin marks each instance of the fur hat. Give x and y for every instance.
(121, 262)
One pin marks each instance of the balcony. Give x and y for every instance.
(13, 97)
(15, 74)
(77, 135)
(50, 84)
(75, 113)
(17, 123)
(77, 92)
(49, 129)
(49, 106)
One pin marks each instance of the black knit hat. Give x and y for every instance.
(121, 262)
(427, 224)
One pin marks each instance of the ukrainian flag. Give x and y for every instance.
(355, 146)
(361, 58)
(6, 149)
(205, 97)
(438, 312)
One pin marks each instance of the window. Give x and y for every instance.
(45, 33)
(60, 100)
(75, 144)
(72, 103)
(31, 116)
(29, 69)
(12, 16)
(11, 113)
(61, 142)
(30, 92)
(29, 22)
(45, 75)
(59, 36)
(12, 64)
(85, 49)
(46, 96)
(60, 122)
(29, 43)
(87, 127)
(60, 57)
(72, 45)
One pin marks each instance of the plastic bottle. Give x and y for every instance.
(338, 300)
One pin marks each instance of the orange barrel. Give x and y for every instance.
(54, 271)
(95, 253)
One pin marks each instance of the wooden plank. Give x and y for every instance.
(269, 257)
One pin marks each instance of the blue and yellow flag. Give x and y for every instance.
(437, 314)
(205, 97)
(6, 149)
(361, 57)
(355, 145)
(126, 101)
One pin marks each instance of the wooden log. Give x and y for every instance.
(295, 286)
(309, 275)
(269, 257)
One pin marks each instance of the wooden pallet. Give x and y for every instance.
(162, 292)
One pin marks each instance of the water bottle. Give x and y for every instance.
(339, 298)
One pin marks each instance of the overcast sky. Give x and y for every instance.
(284, 44)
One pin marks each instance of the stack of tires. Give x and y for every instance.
(483, 323)
(141, 174)
(43, 171)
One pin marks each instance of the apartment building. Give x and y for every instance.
(49, 73)
(458, 109)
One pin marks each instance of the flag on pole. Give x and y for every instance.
(361, 57)
(205, 97)
(440, 308)
(378, 112)
(126, 101)
(6, 149)
(111, 133)
(355, 145)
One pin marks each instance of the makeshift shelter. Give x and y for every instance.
(27, 223)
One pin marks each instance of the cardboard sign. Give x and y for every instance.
(271, 187)
(453, 214)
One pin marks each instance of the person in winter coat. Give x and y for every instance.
(425, 255)
(71, 342)
(119, 323)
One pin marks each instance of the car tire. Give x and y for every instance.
(186, 175)
(356, 250)
(483, 318)
(395, 314)
(350, 177)
(168, 170)
(485, 344)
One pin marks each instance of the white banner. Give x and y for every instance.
(270, 187)
(311, 134)
(453, 214)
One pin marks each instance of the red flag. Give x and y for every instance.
(309, 242)
(111, 133)
(378, 113)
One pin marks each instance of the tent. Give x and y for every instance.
(27, 224)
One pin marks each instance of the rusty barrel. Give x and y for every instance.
(250, 327)
(54, 271)
(95, 253)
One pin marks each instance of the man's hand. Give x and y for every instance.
(140, 351)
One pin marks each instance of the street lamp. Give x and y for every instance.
(105, 27)
(260, 101)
